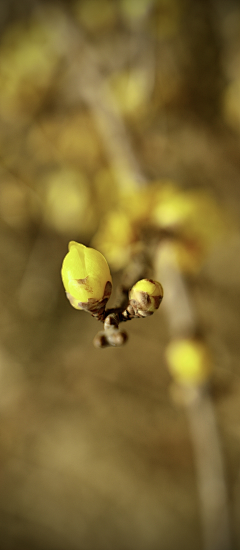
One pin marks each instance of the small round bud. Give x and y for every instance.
(100, 340)
(145, 297)
(86, 278)
(117, 338)
(189, 361)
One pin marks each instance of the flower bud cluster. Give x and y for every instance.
(88, 284)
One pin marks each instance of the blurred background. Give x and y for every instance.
(99, 100)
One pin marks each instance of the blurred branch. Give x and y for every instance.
(199, 410)
(177, 303)
(92, 87)
(210, 472)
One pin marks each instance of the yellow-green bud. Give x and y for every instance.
(86, 278)
(145, 297)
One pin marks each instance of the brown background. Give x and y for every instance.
(94, 454)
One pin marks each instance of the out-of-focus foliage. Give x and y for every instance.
(69, 188)
(231, 63)
(192, 218)
(55, 166)
(29, 57)
(189, 361)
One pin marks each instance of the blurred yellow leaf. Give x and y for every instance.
(114, 238)
(193, 217)
(189, 361)
(106, 193)
(27, 61)
(194, 214)
(69, 208)
(130, 89)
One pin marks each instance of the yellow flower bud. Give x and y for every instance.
(86, 278)
(189, 361)
(145, 297)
